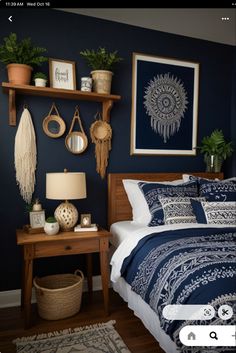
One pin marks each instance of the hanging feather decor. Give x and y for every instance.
(25, 156)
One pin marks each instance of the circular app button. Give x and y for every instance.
(225, 312)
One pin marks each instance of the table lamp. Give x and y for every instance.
(66, 186)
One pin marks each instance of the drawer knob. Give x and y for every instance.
(68, 247)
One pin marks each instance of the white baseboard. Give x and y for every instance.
(13, 297)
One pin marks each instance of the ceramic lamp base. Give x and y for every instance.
(66, 215)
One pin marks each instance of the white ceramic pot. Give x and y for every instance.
(40, 82)
(51, 228)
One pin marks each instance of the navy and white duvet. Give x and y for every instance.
(194, 265)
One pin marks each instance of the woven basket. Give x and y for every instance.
(59, 296)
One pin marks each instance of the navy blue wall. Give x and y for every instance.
(65, 35)
(233, 116)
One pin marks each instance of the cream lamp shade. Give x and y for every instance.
(66, 186)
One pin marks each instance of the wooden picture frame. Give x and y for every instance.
(62, 74)
(85, 220)
(164, 106)
(37, 219)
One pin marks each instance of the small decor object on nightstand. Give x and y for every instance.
(85, 220)
(93, 228)
(51, 226)
(37, 219)
(37, 205)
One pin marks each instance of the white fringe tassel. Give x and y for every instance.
(25, 156)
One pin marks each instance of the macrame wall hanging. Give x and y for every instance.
(101, 134)
(25, 156)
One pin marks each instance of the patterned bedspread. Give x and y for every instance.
(185, 266)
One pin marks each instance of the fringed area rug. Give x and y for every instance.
(99, 338)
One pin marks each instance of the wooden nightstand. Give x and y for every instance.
(65, 243)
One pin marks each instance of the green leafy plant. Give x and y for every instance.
(21, 52)
(101, 59)
(40, 75)
(29, 207)
(215, 149)
(51, 219)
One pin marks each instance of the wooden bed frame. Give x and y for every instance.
(119, 208)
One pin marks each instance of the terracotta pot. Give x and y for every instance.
(19, 74)
(102, 81)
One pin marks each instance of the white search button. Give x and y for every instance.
(188, 312)
(211, 335)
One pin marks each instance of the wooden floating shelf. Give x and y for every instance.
(106, 99)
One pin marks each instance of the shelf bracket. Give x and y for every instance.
(12, 107)
(106, 109)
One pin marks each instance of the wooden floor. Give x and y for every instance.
(130, 328)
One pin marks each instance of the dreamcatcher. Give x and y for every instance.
(101, 134)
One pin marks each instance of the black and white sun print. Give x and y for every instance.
(165, 101)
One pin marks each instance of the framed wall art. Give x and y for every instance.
(164, 106)
(62, 74)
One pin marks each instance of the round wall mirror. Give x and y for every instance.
(76, 142)
(54, 126)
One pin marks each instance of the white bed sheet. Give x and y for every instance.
(122, 230)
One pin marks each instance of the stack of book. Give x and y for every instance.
(92, 228)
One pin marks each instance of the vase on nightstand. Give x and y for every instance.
(51, 226)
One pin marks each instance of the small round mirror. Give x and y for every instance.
(54, 126)
(76, 142)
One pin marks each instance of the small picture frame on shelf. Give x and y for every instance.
(85, 220)
(37, 219)
(62, 74)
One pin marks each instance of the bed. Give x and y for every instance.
(131, 239)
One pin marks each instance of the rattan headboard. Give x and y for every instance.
(119, 208)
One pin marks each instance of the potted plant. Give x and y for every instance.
(215, 150)
(40, 79)
(102, 63)
(19, 56)
(51, 226)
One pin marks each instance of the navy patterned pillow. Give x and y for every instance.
(178, 209)
(152, 192)
(217, 190)
(215, 212)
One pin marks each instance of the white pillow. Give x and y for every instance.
(186, 177)
(140, 209)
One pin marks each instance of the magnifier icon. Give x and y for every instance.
(213, 335)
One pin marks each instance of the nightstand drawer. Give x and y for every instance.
(66, 247)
